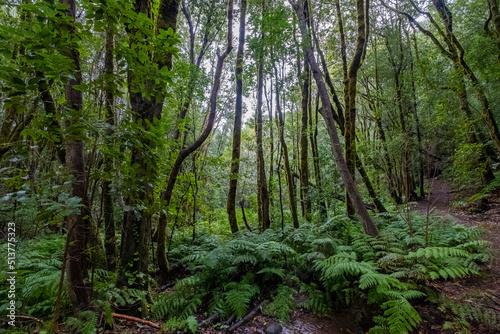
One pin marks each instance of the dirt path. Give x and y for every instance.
(486, 216)
(440, 198)
(476, 290)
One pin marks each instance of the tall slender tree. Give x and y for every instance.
(235, 160)
(79, 224)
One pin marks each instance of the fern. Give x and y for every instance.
(239, 295)
(462, 312)
(372, 279)
(317, 301)
(438, 253)
(188, 324)
(85, 323)
(283, 304)
(401, 316)
(268, 272)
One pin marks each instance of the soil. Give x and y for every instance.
(474, 290)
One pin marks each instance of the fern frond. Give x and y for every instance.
(239, 295)
(276, 271)
(401, 316)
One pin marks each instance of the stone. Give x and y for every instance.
(273, 328)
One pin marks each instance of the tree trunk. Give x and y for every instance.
(420, 153)
(136, 235)
(313, 138)
(261, 182)
(109, 223)
(371, 191)
(357, 201)
(271, 145)
(80, 290)
(166, 196)
(304, 162)
(235, 160)
(284, 152)
(350, 114)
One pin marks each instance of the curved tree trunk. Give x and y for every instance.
(166, 196)
(353, 192)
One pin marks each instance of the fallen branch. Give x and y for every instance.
(249, 316)
(29, 317)
(142, 321)
(208, 320)
(229, 321)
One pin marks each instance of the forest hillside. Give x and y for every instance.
(249, 166)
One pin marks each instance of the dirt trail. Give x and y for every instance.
(475, 290)
(487, 216)
(440, 198)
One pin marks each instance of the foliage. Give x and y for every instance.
(417, 114)
(387, 270)
(38, 275)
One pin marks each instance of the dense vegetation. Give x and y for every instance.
(181, 160)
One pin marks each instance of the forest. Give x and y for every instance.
(250, 166)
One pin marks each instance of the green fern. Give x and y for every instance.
(283, 304)
(317, 301)
(401, 316)
(188, 324)
(239, 295)
(85, 323)
(269, 272)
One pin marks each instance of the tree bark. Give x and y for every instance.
(261, 182)
(313, 138)
(109, 223)
(304, 162)
(235, 159)
(350, 114)
(136, 235)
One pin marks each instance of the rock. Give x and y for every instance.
(273, 328)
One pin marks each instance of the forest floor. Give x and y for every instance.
(483, 290)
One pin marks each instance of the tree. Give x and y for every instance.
(354, 195)
(235, 164)
(78, 223)
(185, 152)
(146, 101)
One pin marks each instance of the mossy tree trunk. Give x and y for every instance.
(235, 156)
(136, 235)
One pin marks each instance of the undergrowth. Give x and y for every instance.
(332, 264)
